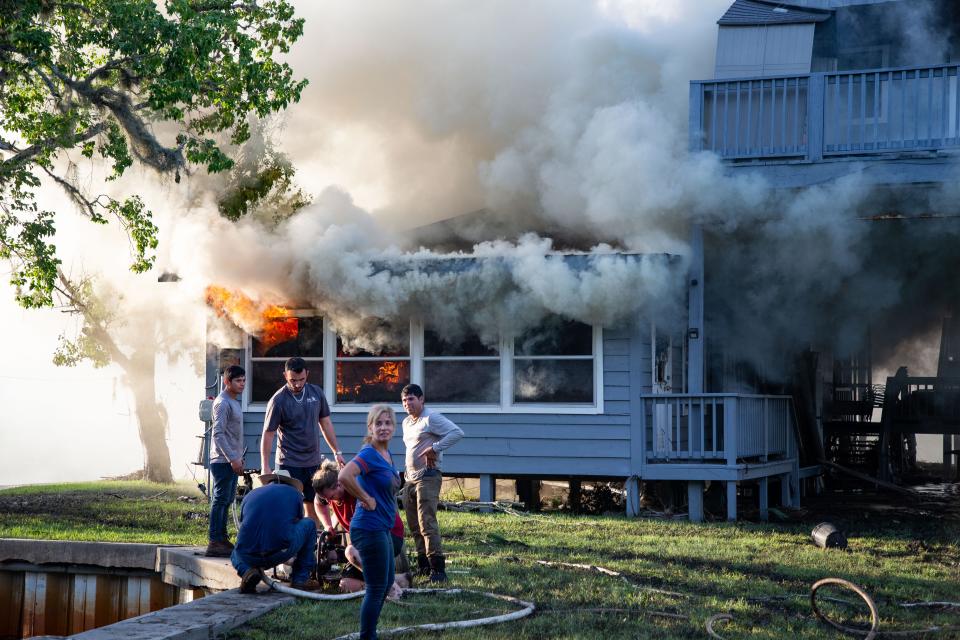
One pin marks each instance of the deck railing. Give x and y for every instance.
(722, 427)
(917, 398)
(821, 115)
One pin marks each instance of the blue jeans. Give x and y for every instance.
(224, 490)
(302, 547)
(376, 555)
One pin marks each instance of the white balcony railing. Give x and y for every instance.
(828, 114)
(717, 427)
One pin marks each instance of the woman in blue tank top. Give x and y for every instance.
(372, 479)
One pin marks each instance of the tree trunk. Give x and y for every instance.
(151, 416)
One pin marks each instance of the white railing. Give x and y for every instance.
(727, 427)
(828, 114)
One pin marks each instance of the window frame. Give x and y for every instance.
(247, 403)
(423, 359)
(330, 391)
(416, 359)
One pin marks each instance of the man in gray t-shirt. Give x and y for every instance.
(299, 413)
(226, 458)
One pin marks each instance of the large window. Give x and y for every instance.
(460, 370)
(374, 366)
(554, 363)
(280, 339)
(552, 367)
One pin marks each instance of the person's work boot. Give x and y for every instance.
(250, 580)
(218, 549)
(307, 585)
(438, 569)
(423, 566)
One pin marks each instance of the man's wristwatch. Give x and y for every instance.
(338, 453)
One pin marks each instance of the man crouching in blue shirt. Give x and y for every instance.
(273, 530)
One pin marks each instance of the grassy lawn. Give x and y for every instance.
(123, 511)
(761, 574)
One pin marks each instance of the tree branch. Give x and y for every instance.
(97, 330)
(25, 155)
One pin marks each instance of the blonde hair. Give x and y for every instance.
(325, 477)
(372, 416)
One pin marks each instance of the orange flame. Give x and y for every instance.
(388, 373)
(271, 323)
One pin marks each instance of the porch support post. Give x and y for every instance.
(785, 481)
(947, 457)
(764, 483)
(956, 447)
(575, 495)
(695, 500)
(488, 488)
(695, 339)
(794, 477)
(632, 486)
(731, 500)
(528, 490)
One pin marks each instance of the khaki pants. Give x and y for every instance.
(420, 500)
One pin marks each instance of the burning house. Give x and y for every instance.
(746, 357)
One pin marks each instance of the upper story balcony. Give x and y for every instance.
(805, 91)
(817, 116)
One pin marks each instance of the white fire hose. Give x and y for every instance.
(526, 610)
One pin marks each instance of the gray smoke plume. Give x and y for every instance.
(559, 120)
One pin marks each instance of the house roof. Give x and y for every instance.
(757, 12)
(447, 264)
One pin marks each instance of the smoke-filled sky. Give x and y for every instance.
(559, 117)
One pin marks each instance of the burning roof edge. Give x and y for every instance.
(448, 264)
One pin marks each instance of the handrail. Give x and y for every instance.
(851, 112)
(715, 395)
(722, 427)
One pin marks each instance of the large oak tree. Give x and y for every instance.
(173, 85)
(100, 79)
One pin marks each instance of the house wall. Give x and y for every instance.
(543, 444)
(766, 50)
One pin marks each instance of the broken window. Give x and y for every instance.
(373, 363)
(280, 339)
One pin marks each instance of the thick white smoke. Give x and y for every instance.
(568, 120)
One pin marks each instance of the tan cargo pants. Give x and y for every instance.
(420, 500)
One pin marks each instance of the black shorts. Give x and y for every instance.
(305, 476)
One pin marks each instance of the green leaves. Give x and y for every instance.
(93, 77)
(138, 222)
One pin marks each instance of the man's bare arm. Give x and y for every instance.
(266, 448)
(330, 436)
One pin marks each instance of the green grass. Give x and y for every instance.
(123, 511)
(760, 573)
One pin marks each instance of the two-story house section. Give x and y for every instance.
(824, 85)
(814, 92)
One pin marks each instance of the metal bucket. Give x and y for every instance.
(827, 536)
